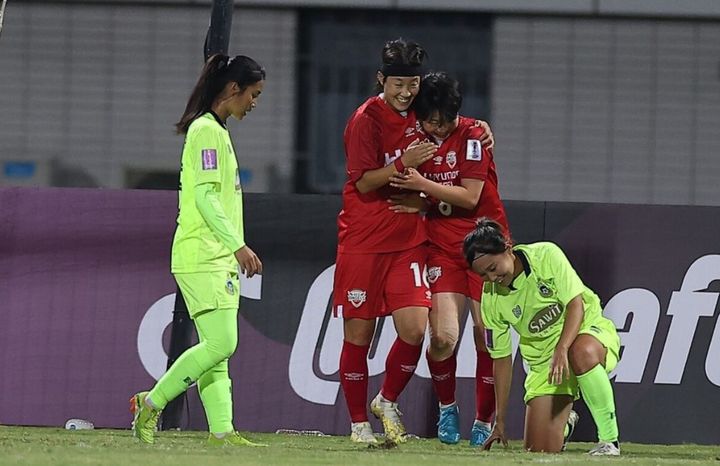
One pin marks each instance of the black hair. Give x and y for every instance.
(217, 72)
(487, 238)
(401, 52)
(438, 92)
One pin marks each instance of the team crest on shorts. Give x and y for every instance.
(229, 287)
(545, 289)
(517, 311)
(356, 297)
(451, 159)
(434, 273)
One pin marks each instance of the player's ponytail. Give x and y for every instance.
(487, 238)
(217, 72)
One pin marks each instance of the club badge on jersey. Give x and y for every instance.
(451, 159)
(517, 311)
(474, 150)
(545, 289)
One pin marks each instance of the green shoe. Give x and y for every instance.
(144, 418)
(232, 439)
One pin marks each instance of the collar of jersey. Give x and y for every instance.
(216, 118)
(519, 281)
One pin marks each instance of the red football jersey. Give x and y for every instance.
(462, 156)
(374, 137)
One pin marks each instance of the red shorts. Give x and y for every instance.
(448, 274)
(374, 285)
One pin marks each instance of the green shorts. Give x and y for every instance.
(204, 291)
(536, 382)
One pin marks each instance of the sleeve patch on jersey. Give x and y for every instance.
(474, 150)
(489, 338)
(209, 159)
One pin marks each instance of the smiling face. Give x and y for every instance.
(245, 101)
(496, 268)
(437, 128)
(399, 91)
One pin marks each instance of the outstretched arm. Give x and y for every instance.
(502, 372)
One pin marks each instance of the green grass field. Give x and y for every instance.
(45, 446)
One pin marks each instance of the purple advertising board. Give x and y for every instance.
(87, 298)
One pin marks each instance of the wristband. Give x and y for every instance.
(399, 166)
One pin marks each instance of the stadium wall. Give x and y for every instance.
(592, 101)
(91, 92)
(86, 298)
(607, 110)
(658, 8)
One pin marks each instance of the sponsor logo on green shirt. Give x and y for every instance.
(545, 318)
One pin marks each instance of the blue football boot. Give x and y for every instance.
(449, 425)
(479, 433)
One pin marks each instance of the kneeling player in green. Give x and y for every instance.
(567, 343)
(208, 247)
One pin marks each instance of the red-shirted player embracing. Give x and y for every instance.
(461, 185)
(381, 258)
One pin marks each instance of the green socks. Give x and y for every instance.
(216, 398)
(598, 395)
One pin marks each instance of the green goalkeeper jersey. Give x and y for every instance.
(210, 222)
(535, 305)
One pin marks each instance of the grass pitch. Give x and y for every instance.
(45, 446)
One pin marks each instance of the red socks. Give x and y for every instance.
(443, 378)
(399, 368)
(354, 379)
(484, 387)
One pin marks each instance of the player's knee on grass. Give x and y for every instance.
(545, 420)
(543, 447)
(546, 438)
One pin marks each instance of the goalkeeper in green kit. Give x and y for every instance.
(208, 247)
(565, 340)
